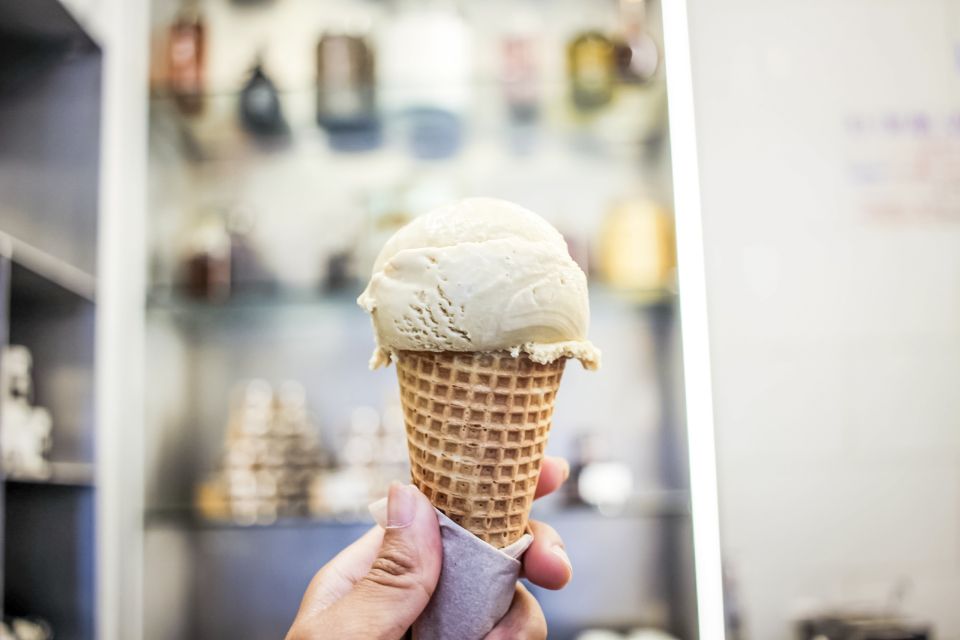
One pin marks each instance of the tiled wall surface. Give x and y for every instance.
(828, 153)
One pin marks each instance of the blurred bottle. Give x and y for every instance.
(387, 211)
(186, 50)
(390, 208)
(246, 267)
(636, 248)
(636, 52)
(346, 90)
(339, 272)
(635, 124)
(595, 478)
(520, 66)
(260, 110)
(732, 607)
(426, 60)
(584, 452)
(578, 246)
(207, 263)
(591, 68)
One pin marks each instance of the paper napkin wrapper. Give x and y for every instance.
(476, 586)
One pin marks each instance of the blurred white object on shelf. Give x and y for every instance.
(607, 485)
(599, 634)
(26, 429)
(649, 634)
(272, 455)
(24, 629)
(633, 634)
(373, 455)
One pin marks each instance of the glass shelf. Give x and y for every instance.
(655, 505)
(641, 298)
(174, 300)
(661, 503)
(632, 125)
(283, 311)
(189, 518)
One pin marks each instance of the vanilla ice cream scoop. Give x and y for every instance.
(479, 275)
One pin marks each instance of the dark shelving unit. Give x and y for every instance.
(50, 106)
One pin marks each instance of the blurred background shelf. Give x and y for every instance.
(39, 278)
(66, 474)
(187, 518)
(217, 136)
(222, 564)
(166, 299)
(675, 504)
(655, 504)
(175, 300)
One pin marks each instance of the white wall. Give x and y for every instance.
(829, 136)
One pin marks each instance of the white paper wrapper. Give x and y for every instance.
(476, 585)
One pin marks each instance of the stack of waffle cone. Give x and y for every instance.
(477, 426)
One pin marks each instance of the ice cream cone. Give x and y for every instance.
(477, 426)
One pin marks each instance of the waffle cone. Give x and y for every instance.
(477, 426)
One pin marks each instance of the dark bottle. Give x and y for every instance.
(520, 75)
(636, 53)
(186, 48)
(346, 97)
(207, 261)
(585, 452)
(260, 110)
(592, 70)
(247, 272)
(426, 60)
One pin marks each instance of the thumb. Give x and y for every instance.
(386, 601)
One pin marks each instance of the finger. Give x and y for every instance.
(553, 472)
(386, 601)
(338, 576)
(523, 621)
(546, 563)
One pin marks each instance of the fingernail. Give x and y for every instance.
(566, 469)
(401, 505)
(560, 552)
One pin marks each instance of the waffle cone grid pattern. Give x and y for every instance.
(477, 426)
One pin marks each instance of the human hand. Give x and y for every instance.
(377, 587)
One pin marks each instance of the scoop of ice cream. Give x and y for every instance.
(479, 275)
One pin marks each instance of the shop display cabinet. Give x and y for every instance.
(307, 206)
(112, 543)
